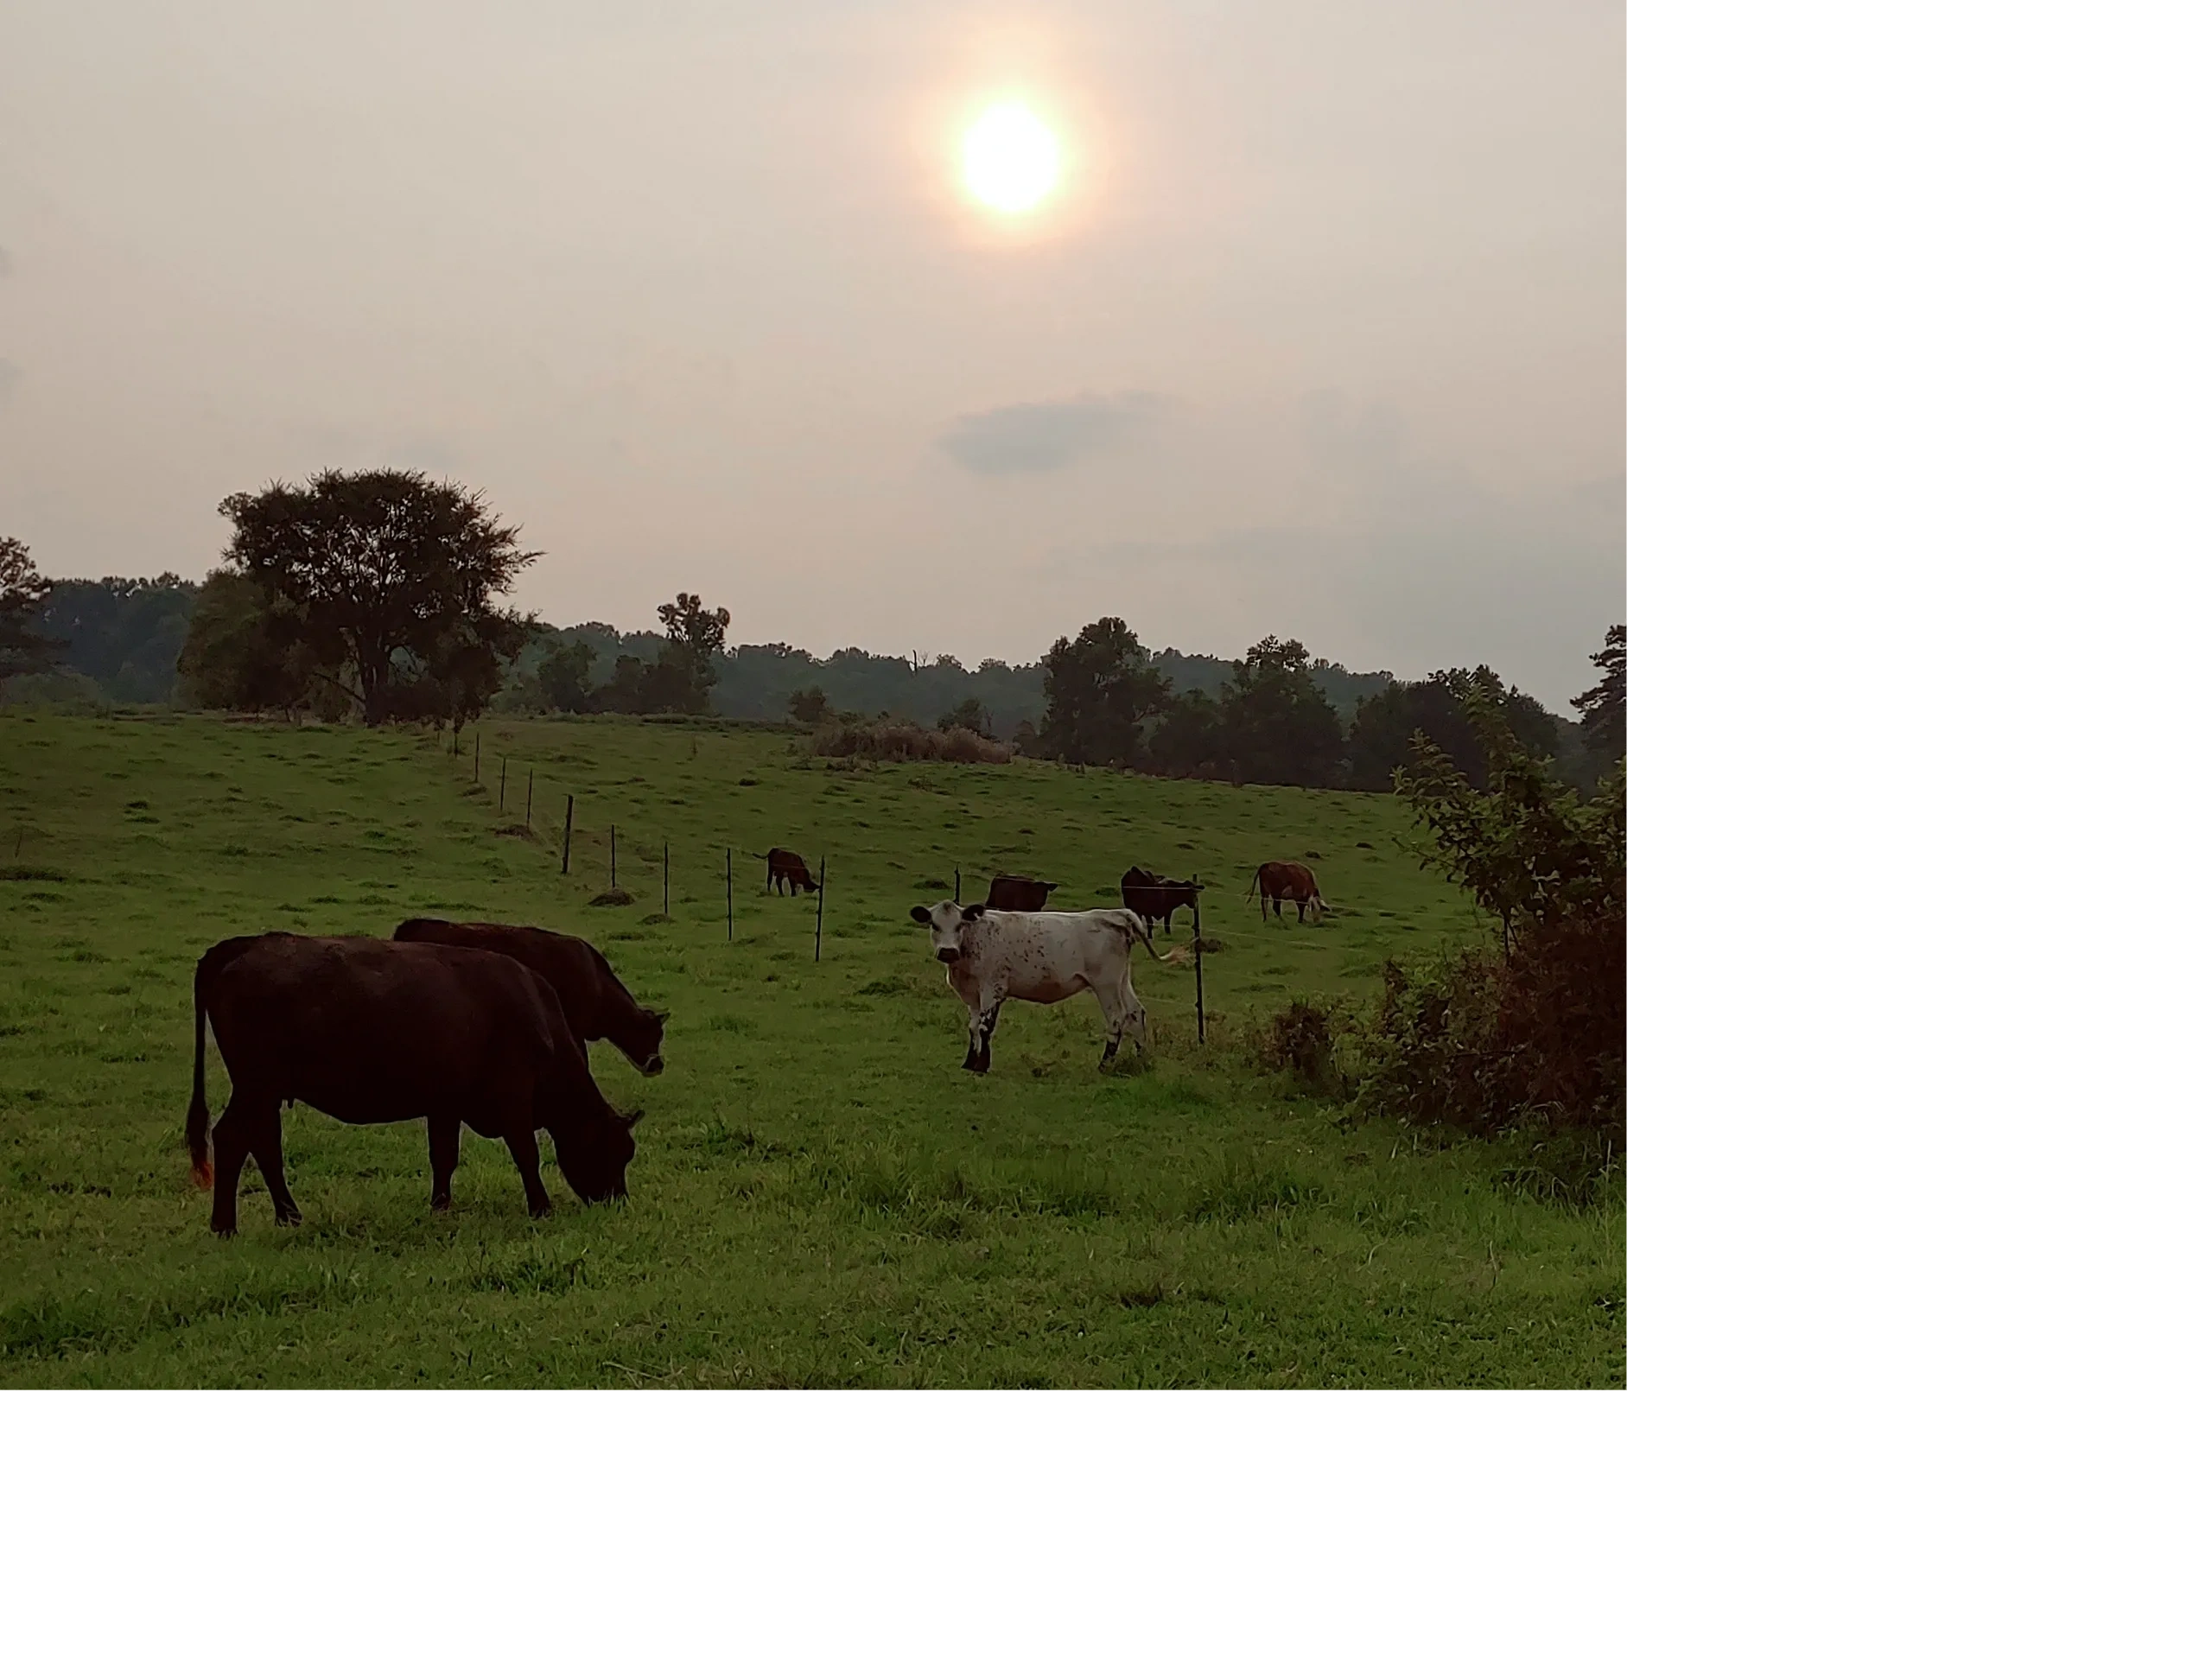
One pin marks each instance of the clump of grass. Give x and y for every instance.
(1243, 1189)
(1302, 1040)
(519, 831)
(881, 987)
(902, 740)
(30, 873)
(614, 896)
(533, 1269)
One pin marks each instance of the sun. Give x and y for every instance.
(1010, 159)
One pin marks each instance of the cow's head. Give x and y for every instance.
(640, 1042)
(595, 1153)
(947, 923)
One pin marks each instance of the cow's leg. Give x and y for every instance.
(269, 1153)
(981, 1024)
(445, 1158)
(522, 1143)
(236, 1135)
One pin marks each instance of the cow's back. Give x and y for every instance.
(570, 965)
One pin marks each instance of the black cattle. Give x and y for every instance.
(1155, 900)
(598, 1006)
(1017, 892)
(379, 1031)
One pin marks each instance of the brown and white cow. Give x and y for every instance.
(991, 956)
(790, 869)
(1017, 892)
(379, 1031)
(598, 1005)
(1278, 882)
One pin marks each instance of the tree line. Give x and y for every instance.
(376, 595)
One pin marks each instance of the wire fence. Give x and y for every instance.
(575, 841)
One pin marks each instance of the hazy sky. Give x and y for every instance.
(1321, 335)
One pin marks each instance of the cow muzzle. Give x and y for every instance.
(948, 953)
(651, 1068)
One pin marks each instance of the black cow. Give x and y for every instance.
(1017, 892)
(789, 868)
(379, 1031)
(1155, 900)
(598, 1006)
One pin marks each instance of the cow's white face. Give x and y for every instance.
(944, 921)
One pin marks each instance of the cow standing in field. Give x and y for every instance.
(991, 956)
(1017, 892)
(1155, 900)
(790, 869)
(379, 1031)
(598, 1006)
(1278, 882)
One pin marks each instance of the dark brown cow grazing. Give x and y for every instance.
(1155, 900)
(1279, 881)
(379, 1031)
(1017, 892)
(599, 1006)
(789, 868)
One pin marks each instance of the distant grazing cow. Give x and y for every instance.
(790, 869)
(1017, 892)
(1155, 900)
(379, 1031)
(989, 957)
(598, 1005)
(1291, 881)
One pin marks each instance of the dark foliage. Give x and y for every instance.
(970, 716)
(1603, 707)
(1099, 688)
(24, 648)
(1276, 727)
(122, 632)
(234, 655)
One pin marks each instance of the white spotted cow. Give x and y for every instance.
(1039, 957)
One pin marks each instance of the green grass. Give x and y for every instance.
(821, 1196)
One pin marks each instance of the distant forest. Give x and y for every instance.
(1119, 703)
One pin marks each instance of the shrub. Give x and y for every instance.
(1301, 1040)
(903, 740)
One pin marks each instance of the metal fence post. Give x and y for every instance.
(503, 786)
(821, 888)
(568, 825)
(729, 894)
(1198, 965)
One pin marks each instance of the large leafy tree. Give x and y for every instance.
(1099, 689)
(387, 579)
(24, 650)
(1276, 725)
(690, 662)
(1603, 707)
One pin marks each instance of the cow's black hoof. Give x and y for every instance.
(445, 1203)
(221, 1232)
(539, 1211)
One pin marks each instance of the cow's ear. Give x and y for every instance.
(920, 915)
(973, 912)
(660, 1019)
(630, 1119)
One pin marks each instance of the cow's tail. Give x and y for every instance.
(196, 1116)
(1253, 888)
(1135, 927)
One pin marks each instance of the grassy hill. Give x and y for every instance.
(822, 1196)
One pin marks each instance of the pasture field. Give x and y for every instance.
(821, 1196)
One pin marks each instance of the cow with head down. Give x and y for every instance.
(379, 1031)
(991, 956)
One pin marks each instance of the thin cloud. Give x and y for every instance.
(1044, 437)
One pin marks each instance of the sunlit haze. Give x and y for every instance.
(921, 328)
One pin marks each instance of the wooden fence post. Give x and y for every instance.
(956, 885)
(567, 824)
(729, 894)
(529, 797)
(663, 880)
(610, 858)
(821, 887)
(476, 762)
(1198, 965)
(503, 786)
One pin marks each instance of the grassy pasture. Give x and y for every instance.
(822, 1196)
